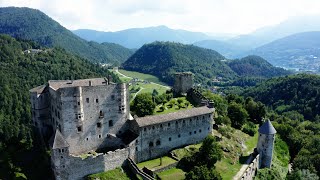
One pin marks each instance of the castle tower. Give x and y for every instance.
(265, 144)
(183, 82)
(59, 155)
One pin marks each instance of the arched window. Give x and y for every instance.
(158, 143)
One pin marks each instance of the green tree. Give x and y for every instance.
(143, 104)
(203, 173)
(237, 114)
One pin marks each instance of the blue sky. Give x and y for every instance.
(215, 16)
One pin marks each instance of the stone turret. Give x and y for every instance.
(265, 144)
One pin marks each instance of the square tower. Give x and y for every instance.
(183, 82)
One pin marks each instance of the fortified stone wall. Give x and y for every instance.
(251, 169)
(74, 167)
(93, 116)
(158, 139)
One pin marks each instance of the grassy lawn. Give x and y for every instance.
(148, 88)
(116, 174)
(173, 173)
(173, 108)
(138, 75)
(155, 163)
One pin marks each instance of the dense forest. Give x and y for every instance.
(19, 72)
(299, 93)
(32, 24)
(162, 59)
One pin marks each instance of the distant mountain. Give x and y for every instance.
(226, 49)
(270, 33)
(255, 66)
(31, 24)
(300, 50)
(136, 37)
(163, 59)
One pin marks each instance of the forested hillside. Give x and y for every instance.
(299, 93)
(32, 24)
(162, 59)
(294, 103)
(255, 66)
(20, 72)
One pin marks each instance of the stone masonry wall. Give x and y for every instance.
(70, 167)
(159, 139)
(251, 169)
(265, 149)
(93, 116)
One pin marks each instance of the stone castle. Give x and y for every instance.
(88, 126)
(89, 129)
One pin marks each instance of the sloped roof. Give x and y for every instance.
(57, 84)
(267, 128)
(156, 119)
(59, 141)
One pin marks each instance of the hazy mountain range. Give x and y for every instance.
(136, 37)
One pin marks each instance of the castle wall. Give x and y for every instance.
(74, 168)
(251, 169)
(40, 105)
(159, 139)
(265, 149)
(93, 116)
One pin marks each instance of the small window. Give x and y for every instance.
(100, 114)
(97, 100)
(110, 123)
(112, 97)
(179, 136)
(61, 157)
(59, 150)
(78, 103)
(158, 143)
(137, 141)
(87, 139)
(136, 148)
(153, 127)
(161, 125)
(190, 120)
(195, 132)
(168, 124)
(151, 144)
(184, 121)
(190, 133)
(145, 129)
(87, 100)
(62, 150)
(169, 138)
(99, 125)
(79, 128)
(199, 130)
(99, 135)
(63, 166)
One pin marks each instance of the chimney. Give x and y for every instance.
(210, 104)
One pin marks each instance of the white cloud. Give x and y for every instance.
(224, 16)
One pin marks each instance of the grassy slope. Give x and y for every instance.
(155, 163)
(116, 174)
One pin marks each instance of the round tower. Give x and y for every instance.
(265, 144)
